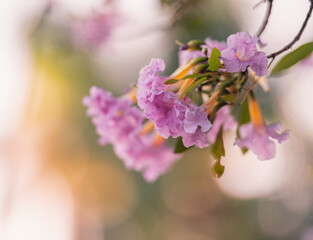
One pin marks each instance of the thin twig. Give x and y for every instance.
(267, 16)
(271, 62)
(258, 4)
(248, 90)
(297, 37)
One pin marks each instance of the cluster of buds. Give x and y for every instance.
(141, 124)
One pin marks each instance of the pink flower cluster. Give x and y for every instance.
(169, 112)
(119, 123)
(171, 117)
(237, 54)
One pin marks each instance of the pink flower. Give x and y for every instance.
(119, 123)
(142, 154)
(171, 117)
(92, 31)
(115, 119)
(258, 139)
(242, 52)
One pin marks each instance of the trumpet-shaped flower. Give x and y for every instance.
(142, 154)
(196, 117)
(242, 52)
(258, 139)
(114, 118)
(171, 117)
(119, 123)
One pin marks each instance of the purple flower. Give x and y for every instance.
(98, 102)
(149, 82)
(143, 155)
(171, 117)
(198, 138)
(167, 114)
(119, 123)
(242, 52)
(93, 31)
(115, 119)
(223, 119)
(257, 139)
(196, 117)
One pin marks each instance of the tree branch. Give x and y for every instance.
(265, 21)
(297, 37)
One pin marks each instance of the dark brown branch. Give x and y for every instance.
(267, 16)
(297, 37)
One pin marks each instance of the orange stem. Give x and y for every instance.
(255, 112)
(181, 71)
(147, 127)
(186, 83)
(211, 102)
(158, 139)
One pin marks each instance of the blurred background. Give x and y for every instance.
(57, 183)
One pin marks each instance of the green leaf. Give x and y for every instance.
(195, 44)
(218, 149)
(214, 62)
(229, 98)
(242, 114)
(192, 86)
(180, 147)
(197, 76)
(218, 169)
(200, 67)
(218, 152)
(197, 60)
(292, 58)
(244, 150)
(171, 81)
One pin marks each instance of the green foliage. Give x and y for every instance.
(242, 114)
(192, 86)
(229, 98)
(292, 58)
(218, 152)
(171, 81)
(218, 169)
(244, 150)
(196, 76)
(218, 149)
(200, 67)
(214, 62)
(197, 60)
(195, 44)
(180, 147)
